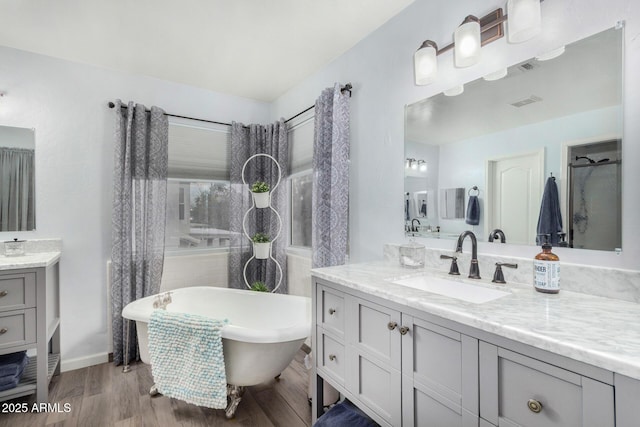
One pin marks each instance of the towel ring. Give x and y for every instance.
(475, 187)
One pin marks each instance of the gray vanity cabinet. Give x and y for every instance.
(403, 369)
(517, 390)
(30, 319)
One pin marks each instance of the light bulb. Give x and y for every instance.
(467, 42)
(425, 63)
(524, 20)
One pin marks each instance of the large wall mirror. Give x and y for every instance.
(501, 143)
(17, 179)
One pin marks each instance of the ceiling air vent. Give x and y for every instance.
(527, 101)
(527, 66)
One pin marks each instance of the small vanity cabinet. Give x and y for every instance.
(404, 369)
(407, 367)
(30, 319)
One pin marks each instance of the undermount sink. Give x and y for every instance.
(477, 294)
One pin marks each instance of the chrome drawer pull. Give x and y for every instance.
(332, 357)
(3, 331)
(4, 294)
(404, 330)
(534, 405)
(332, 310)
(392, 325)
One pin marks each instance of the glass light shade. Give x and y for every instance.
(425, 63)
(551, 54)
(454, 91)
(496, 75)
(467, 43)
(524, 20)
(423, 167)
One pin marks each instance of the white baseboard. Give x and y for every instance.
(83, 362)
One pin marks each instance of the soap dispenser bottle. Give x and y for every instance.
(546, 269)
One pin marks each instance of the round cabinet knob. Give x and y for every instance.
(392, 325)
(332, 310)
(3, 294)
(332, 357)
(3, 331)
(534, 405)
(404, 330)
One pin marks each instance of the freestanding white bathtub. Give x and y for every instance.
(264, 333)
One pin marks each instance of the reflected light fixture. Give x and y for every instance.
(425, 63)
(454, 91)
(551, 54)
(496, 75)
(415, 164)
(524, 18)
(466, 41)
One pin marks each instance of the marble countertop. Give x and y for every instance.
(599, 331)
(29, 260)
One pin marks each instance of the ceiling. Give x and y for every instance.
(251, 48)
(588, 76)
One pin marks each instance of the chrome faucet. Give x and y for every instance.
(413, 227)
(497, 234)
(474, 270)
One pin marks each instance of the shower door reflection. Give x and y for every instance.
(595, 194)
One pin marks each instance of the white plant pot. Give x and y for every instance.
(261, 199)
(261, 250)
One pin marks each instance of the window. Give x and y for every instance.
(301, 180)
(301, 186)
(198, 187)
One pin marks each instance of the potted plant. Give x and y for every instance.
(260, 192)
(261, 245)
(259, 286)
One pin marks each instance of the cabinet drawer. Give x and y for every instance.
(17, 291)
(331, 310)
(332, 356)
(529, 392)
(17, 328)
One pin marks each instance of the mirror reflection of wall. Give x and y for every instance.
(17, 179)
(539, 107)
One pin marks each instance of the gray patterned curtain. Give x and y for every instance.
(330, 195)
(17, 189)
(245, 142)
(138, 220)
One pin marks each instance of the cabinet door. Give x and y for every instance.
(516, 390)
(373, 354)
(330, 310)
(440, 375)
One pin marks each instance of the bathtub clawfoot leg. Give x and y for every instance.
(153, 391)
(234, 393)
(277, 377)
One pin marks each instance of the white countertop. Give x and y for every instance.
(600, 331)
(29, 260)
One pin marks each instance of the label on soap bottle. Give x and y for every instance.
(546, 275)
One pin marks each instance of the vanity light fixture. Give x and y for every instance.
(466, 42)
(524, 23)
(415, 164)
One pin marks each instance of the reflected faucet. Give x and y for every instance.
(474, 270)
(413, 227)
(497, 233)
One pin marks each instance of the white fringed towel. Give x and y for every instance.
(186, 355)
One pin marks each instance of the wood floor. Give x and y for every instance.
(103, 395)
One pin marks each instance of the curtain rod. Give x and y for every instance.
(346, 88)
